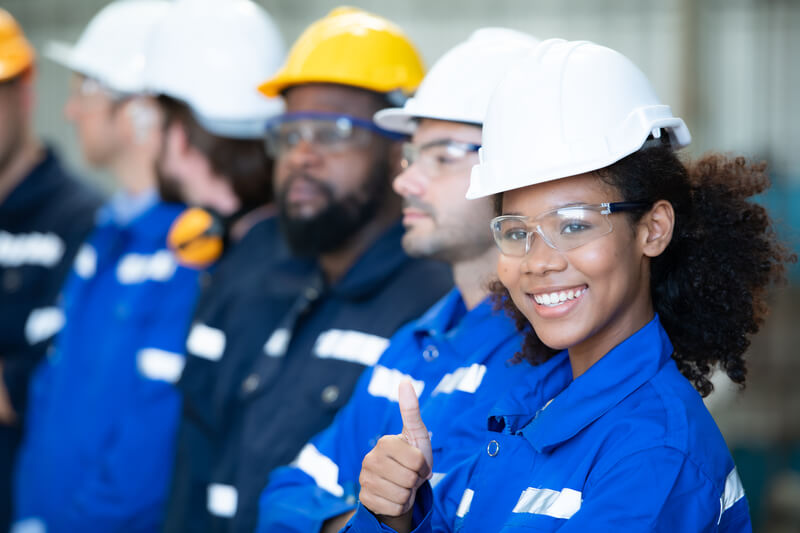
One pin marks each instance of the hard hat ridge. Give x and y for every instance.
(460, 83)
(112, 47)
(351, 47)
(212, 55)
(16, 53)
(567, 109)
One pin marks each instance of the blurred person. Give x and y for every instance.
(457, 353)
(213, 158)
(643, 273)
(332, 182)
(98, 444)
(45, 213)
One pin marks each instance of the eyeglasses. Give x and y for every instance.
(326, 132)
(562, 229)
(437, 157)
(88, 87)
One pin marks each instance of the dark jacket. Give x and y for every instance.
(309, 365)
(42, 224)
(246, 292)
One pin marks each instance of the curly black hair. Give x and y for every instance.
(709, 285)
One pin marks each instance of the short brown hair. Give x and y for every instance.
(244, 162)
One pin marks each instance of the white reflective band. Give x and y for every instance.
(222, 500)
(43, 323)
(29, 525)
(349, 345)
(160, 364)
(85, 264)
(278, 342)
(436, 478)
(41, 249)
(465, 379)
(138, 268)
(733, 493)
(206, 342)
(548, 502)
(466, 502)
(324, 471)
(385, 381)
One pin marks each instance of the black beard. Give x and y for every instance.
(338, 222)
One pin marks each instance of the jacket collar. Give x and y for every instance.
(375, 266)
(620, 372)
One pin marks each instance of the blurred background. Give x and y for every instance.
(730, 68)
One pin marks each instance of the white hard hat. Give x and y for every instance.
(458, 86)
(112, 47)
(212, 55)
(568, 108)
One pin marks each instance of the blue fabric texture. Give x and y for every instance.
(627, 446)
(98, 447)
(459, 360)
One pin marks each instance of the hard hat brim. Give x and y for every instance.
(17, 56)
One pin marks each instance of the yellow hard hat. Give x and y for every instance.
(351, 47)
(16, 53)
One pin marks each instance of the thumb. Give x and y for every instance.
(414, 429)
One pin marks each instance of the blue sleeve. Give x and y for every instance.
(322, 482)
(127, 490)
(652, 490)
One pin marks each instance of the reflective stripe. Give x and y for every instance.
(85, 264)
(324, 471)
(138, 268)
(436, 477)
(41, 249)
(385, 381)
(160, 364)
(349, 345)
(43, 323)
(734, 491)
(222, 500)
(548, 502)
(278, 342)
(206, 342)
(465, 379)
(466, 502)
(29, 525)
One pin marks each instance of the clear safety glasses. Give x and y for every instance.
(85, 87)
(326, 132)
(562, 229)
(437, 157)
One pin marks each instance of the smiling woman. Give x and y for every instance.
(631, 273)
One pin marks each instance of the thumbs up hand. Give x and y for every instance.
(397, 466)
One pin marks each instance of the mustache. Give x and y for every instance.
(415, 203)
(323, 187)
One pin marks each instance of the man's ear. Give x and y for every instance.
(656, 227)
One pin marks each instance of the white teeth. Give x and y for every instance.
(555, 298)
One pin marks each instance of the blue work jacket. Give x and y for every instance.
(309, 364)
(98, 447)
(627, 446)
(458, 361)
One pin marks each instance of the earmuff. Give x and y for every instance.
(197, 237)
